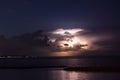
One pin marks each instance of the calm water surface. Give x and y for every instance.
(59, 74)
(54, 74)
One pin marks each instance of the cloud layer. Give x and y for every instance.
(59, 42)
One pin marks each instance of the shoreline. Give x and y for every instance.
(67, 68)
(31, 67)
(93, 69)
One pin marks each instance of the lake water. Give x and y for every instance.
(59, 73)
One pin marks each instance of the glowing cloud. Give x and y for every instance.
(67, 31)
(69, 39)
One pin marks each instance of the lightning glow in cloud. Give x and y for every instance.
(69, 39)
(64, 31)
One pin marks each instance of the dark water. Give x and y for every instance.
(54, 74)
(97, 61)
(59, 73)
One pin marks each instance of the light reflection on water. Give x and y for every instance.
(74, 76)
(54, 74)
(42, 74)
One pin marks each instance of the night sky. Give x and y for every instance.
(99, 18)
(22, 16)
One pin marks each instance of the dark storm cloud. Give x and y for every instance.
(111, 44)
(24, 44)
(37, 43)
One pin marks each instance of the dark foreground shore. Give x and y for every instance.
(31, 67)
(93, 69)
(76, 69)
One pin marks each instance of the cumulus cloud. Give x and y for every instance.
(73, 39)
(59, 42)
